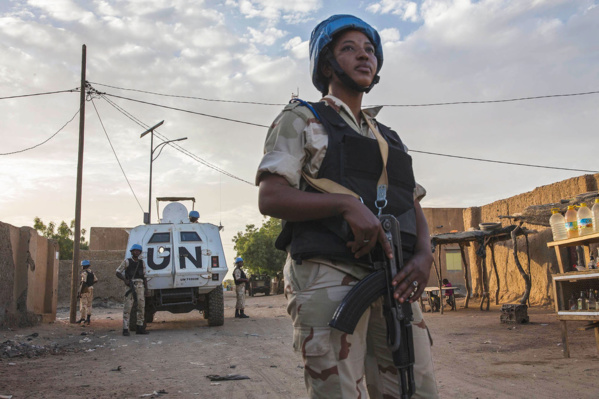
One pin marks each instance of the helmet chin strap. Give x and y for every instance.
(344, 77)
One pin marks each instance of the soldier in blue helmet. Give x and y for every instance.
(328, 232)
(194, 216)
(86, 292)
(240, 280)
(132, 272)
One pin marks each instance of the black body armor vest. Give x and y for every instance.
(354, 161)
(131, 273)
(242, 276)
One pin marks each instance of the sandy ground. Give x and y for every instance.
(475, 356)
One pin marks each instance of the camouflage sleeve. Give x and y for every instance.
(83, 276)
(122, 267)
(237, 274)
(284, 152)
(419, 192)
(95, 278)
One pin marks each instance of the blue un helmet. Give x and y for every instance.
(194, 215)
(320, 50)
(238, 259)
(85, 263)
(134, 247)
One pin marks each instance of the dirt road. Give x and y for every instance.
(475, 357)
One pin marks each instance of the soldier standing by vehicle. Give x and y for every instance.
(329, 235)
(240, 280)
(86, 292)
(133, 274)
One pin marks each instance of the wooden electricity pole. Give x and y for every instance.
(77, 237)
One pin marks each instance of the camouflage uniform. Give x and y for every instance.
(239, 289)
(337, 365)
(87, 295)
(141, 299)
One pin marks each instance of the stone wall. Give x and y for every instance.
(108, 238)
(103, 264)
(543, 261)
(28, 277)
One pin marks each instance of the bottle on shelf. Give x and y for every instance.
(573, 303)
(571, 222)
(582, 301)
(592, 301)
(558, 225)
(584, 217)
(592, 263)
(595, 211)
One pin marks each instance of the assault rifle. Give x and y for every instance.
(132, 291)
(398, 316)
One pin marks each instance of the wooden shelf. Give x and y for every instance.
(572, 242)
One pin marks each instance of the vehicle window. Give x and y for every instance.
(190, 236)
(160, 237)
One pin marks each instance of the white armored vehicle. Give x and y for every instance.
(185, 264)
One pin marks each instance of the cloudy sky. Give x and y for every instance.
(244, 51)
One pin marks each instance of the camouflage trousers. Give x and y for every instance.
(340, 365)
(141, 304)
(240, 293)
(85, 302)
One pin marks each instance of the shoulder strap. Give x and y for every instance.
(328, 186)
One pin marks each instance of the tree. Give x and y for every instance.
(63, 235)
(257, 247)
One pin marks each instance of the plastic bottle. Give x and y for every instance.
(595, 211)
(582, 301)
(558, 225)
(592, 264)
(571, 222)
(584, 217)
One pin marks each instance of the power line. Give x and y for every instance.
(423, 152)
(379, 105)
(504, 162)
(43, 142)
(185, 110)
(174, 145)
(488, 101)
(40, 94)
(189, 97)
(114, 152)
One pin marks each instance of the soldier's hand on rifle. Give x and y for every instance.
(366, 228)
(417, 269)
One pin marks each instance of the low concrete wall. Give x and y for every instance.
(28, 276)
(103, 264)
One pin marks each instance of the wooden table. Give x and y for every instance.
(566, 283)
(430, 290)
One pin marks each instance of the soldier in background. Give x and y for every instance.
(240, 280)
(194, 216)
(86, 292)
(133, 274)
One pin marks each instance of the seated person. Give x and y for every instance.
(194, 216)
(448, 293)
(434, 302)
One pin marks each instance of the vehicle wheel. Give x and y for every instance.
(267, 293)
(216, 307)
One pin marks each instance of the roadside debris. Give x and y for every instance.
(228, 377)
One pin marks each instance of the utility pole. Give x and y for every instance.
(148, 216)
(77, 237)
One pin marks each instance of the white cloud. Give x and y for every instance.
(64, 10)
(389, 35)
(272, 11)
(297, 47)
(406, 10)
(265, 37)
